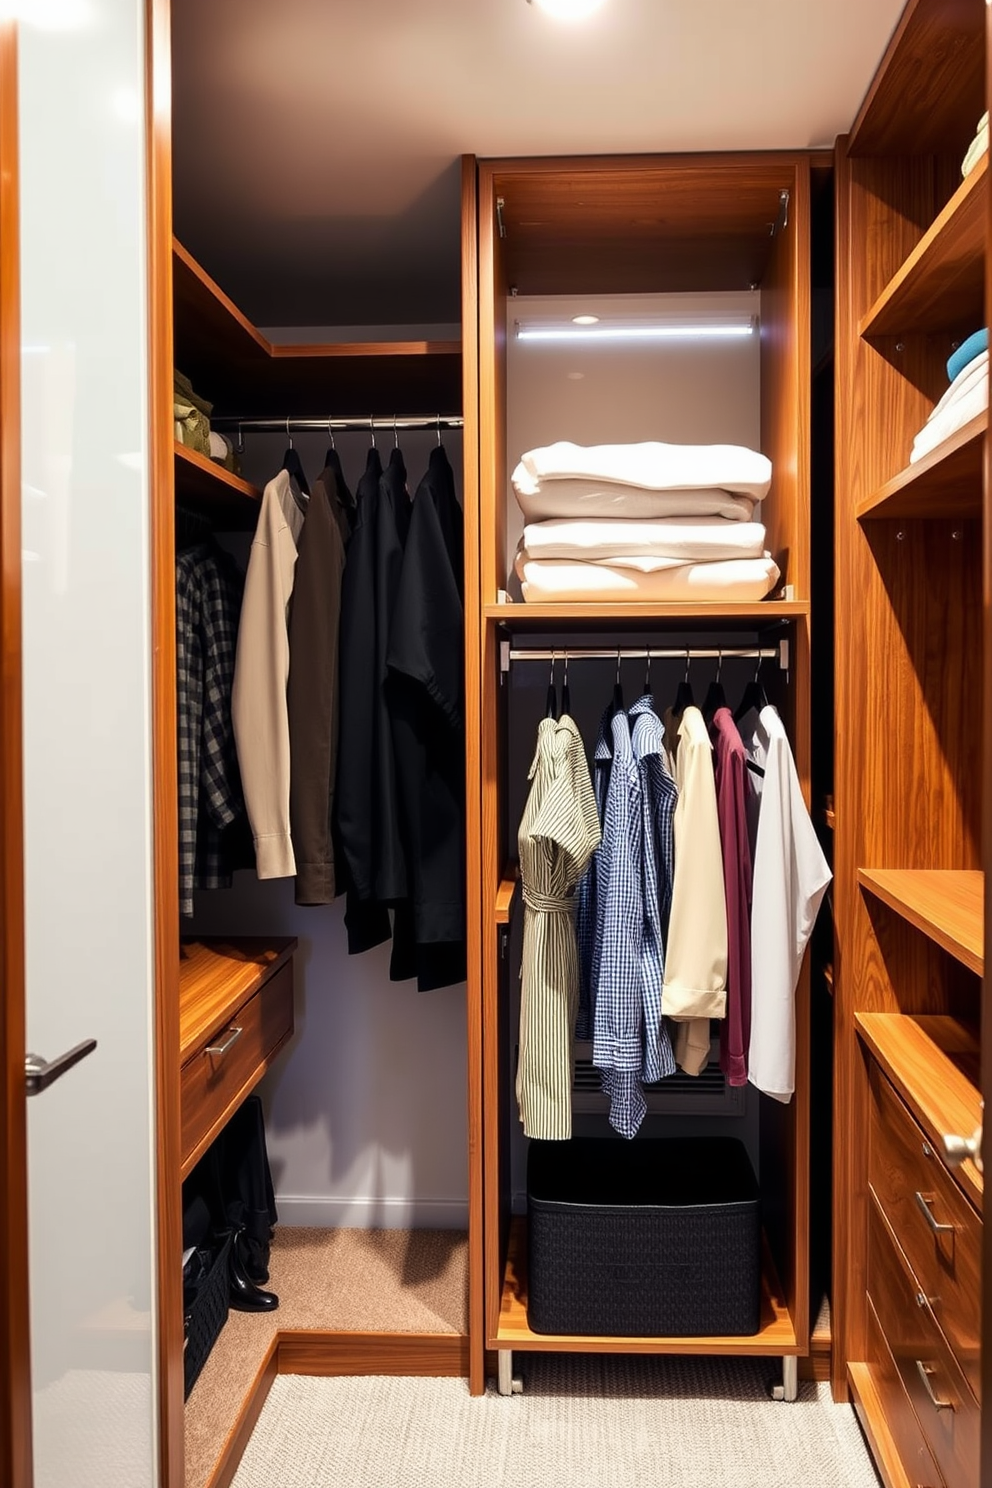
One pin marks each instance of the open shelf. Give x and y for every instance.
(945, 483)
(777, 1334)
(941, 284)
(216, 975)
(241, 372)
(216, 492)
(617, 616)
(933, 1061)
(948, 905)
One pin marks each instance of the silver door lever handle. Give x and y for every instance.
(40, 1073)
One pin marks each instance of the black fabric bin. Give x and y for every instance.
(650, 1238)
(205, 1314)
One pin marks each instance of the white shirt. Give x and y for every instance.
(790, 878)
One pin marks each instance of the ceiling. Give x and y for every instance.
(316, 142)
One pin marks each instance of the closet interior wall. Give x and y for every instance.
(552, 234)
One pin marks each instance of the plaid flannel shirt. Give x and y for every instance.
(208, 605)
(659, 793)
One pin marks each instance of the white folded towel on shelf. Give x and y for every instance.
(965, 399)
(978, 146)
(664, 543)
(593, 499)
(741, 580)
(658, 467)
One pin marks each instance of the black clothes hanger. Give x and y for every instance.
(715, 695)
(754, 696)
(683, 696)
(647, 674)
(293, 465)
(566, 696)
(617, 704)
(551, 700)
(332, 462)
(192, 528)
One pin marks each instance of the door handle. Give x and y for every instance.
(40, 1073)
(924, 1201)
(958, 1149)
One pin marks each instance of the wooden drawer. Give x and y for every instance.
(947, 1411)
(214, 1085)
(904, 1172)
(900, 1417)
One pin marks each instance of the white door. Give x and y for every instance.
(87, 749)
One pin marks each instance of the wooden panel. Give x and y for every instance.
(786, 389)
(473, 770)
(912, 1052)
(871, 1406)
(216, 976)
(929, 89)
(165, 809)
(948, 905)
(640, 224)
(16, 1467)
(777, 1335)
(240, 1433)
(590, 617)
(986, 993)
(941, 285)
(905, 1456)
(903, 1163)
(214, 1085)
(207, 487)
(325, 1354)
(945, 483)
(951, 1429)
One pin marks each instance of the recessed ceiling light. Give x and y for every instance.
(585, 320)
(567, 10)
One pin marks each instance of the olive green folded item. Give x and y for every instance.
(182, 390)
(192, 427)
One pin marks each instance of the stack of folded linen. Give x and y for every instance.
(965, 399)
(650, 522)
(978, 146)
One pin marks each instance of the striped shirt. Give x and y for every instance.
(559, 831)
(659, 795)
(586, 896)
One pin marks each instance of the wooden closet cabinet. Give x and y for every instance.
(647, 225)
(909, 787)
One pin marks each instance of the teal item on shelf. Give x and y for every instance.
(967, 352)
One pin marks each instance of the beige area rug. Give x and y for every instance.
(583, 1421)
(395, 1281)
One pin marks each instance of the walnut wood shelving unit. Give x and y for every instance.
(910, 682)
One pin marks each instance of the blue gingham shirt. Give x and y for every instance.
(617, 971)
(658, 795)
(587, 893)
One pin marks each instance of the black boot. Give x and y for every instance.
(244, 1295)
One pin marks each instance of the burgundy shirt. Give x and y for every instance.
(732, 789)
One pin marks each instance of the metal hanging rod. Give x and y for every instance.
(374, 423)
(659, 653)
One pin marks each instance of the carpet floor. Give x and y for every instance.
(395, 1281)
(584, 1421)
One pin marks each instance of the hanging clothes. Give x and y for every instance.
(425, 694)
(208, 604)
(313, 689)
(559, 831)
(259, 705)
(589, 889)
(732, 792)
(695, 987)
(791, 876)
(659, 797)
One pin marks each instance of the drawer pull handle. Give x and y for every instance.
(926, 1372)
(924, 1201)
(219, 1050)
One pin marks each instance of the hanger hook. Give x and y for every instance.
(685, 679)
(618, 666)
(396, 437)
(330, 434)
(647, 672)
(565, 678)
(551, 679)
(719, 663)
(757, 664)
(372, 430)
(288, 434)
(439, 431)
(241, 440)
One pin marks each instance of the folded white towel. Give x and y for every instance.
(593, 499)
(978, 146)
(647, 545)
(967, 396)
(659, 467)
(741, 580)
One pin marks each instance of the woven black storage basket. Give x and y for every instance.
(206, 1315)
(645, 1238)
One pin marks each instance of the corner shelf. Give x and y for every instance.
(945, 483)
(617, 616)
(776, 1336)
(933, 1062)
(947, 905)
(234, 366)
(941, 284)
(216, 492)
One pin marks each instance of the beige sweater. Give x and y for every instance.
(258, 704)
(695, 987)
